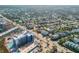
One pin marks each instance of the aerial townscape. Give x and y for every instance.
(39, 29)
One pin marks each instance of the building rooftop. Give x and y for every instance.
(2, 21)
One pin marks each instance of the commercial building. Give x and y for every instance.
(44, 33)
(18, 41)
(75, 40)
(60, 35)
(2, 24)
(72, 46)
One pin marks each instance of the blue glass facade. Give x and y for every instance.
(20, 40)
